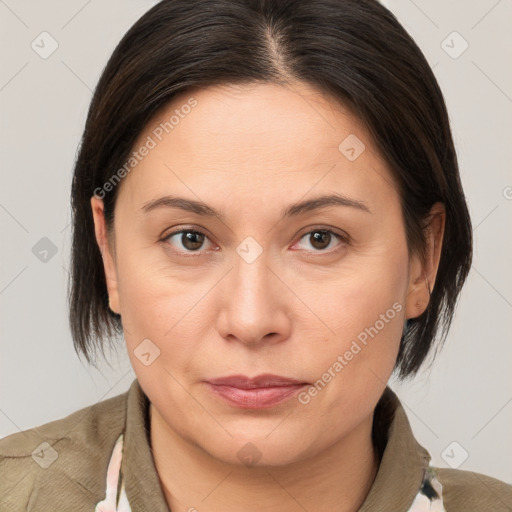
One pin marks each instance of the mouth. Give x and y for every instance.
(262, 391)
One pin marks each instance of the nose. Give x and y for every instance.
(254, 304)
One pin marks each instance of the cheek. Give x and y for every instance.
(151, 301)
(364, 311)
(358, 298)
(352, 367)
(168, 305)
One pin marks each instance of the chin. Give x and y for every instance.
(258, 452)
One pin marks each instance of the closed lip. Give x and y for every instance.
(266, 380)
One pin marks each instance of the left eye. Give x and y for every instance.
(321, 239)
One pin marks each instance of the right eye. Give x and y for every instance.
(186, 240)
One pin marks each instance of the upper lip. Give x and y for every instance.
(266, 380)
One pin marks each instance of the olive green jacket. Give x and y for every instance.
(99, 459)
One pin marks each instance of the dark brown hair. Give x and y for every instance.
(353, 50)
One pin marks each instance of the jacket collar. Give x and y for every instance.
(404, 461)
(138, 468)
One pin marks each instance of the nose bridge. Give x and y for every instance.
(253, 306)
(251, 280)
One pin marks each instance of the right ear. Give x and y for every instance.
(100, 229)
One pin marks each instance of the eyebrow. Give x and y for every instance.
(292, 210)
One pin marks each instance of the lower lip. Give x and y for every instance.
(257, 398)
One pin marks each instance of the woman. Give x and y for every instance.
(267, 205)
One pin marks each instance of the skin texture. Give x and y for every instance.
(249, 152)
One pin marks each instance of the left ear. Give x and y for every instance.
(422, 275)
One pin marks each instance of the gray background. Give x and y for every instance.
(461, 411)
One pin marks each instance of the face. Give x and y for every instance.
(249, 285)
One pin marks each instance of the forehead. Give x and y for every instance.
(254, 138)
(293, 119)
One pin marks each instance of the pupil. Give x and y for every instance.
(320, 237)
(191, 240)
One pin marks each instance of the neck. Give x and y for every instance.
(338, 479)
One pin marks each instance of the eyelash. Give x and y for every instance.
(343, 237)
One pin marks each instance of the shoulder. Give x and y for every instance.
(83, 426)
(68, 455)
(467, 491)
